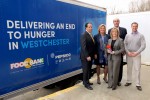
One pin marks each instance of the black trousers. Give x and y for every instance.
(86, 67)
(121, 70)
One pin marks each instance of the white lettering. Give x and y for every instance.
(13, 45)
(10, 24)
(17, 35)
(25, 63)
(70, 26)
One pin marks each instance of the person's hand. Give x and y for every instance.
(129, 54)
(88, 58)
(112, 52)
(134, 54)
(108, 51)
(95, 56)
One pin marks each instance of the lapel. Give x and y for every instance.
(116, 43)
(110, 41)
(120, 31)
(100, 38)
(90, 36)
(105, 39)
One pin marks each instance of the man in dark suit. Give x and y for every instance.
(123, 33)
(87, 54)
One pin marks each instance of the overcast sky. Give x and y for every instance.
(119, 4)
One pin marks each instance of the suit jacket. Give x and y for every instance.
(123, 32)
(99, 49)
(118, 49)
(97, 38)
(87, 46)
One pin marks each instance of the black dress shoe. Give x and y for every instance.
(109, 87)
(114, 88)
(89, 87)
(90, 83)
(127, 84)
(139, 88)
(119, 84)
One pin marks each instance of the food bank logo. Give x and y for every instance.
(27, 63)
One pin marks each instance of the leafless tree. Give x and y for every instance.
(148, 6)
(133, 6)
(115, 11)
(139, 6)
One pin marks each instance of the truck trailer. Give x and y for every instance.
(40, 42)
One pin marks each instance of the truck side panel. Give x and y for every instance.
(40, 40)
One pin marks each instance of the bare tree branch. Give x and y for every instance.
(139, 6)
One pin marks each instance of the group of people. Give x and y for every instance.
(107, 51)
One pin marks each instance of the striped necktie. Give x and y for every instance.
(92, 37)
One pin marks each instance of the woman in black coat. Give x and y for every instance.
(101, 40)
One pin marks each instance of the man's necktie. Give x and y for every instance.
(92, 37)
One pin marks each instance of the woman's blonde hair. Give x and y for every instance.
(102, 25)
(116, 30)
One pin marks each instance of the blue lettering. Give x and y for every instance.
(40, 41)
(60, 41)
(31, 44)
(54, 42)
(57, 42)
(45, 44)
(24, 44)
(35, 43)
(50, 42)
(66, 41)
